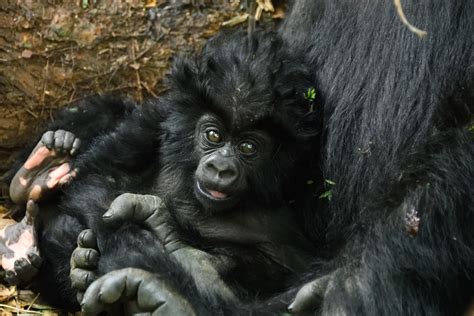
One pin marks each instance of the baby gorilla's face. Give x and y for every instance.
(228, 161)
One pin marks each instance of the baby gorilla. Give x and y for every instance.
(213, 169)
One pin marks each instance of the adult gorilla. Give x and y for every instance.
(396, 237)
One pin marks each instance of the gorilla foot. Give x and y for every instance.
(18, 248)
(146, 291)
(47, 167)
(84, 262)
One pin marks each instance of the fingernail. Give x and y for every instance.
(83, 235)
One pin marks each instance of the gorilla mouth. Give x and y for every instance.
(212, 194)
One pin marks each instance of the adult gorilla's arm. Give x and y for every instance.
(429, 212)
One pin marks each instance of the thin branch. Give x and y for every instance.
(404, 19)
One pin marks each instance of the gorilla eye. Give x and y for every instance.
(247, 148)
(213, 136)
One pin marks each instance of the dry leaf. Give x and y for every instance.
(135, 66)
(26, 53)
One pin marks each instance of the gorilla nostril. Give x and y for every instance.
(227, 174)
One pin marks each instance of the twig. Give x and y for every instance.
(251, 21)
(42, 100)
(19, 310)
(31, 304)
(32, 113)
(404, 19)
(149, 90)
(115, 68)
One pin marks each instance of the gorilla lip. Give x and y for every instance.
(212, 194)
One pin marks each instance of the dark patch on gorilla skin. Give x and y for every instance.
(409, 101)
(246, 84)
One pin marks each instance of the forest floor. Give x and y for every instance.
(55, 52)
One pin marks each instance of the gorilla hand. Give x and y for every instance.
(340, 286)
(152, 294)
(84, 262)
(149, 210)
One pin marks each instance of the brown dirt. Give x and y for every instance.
(54, 52)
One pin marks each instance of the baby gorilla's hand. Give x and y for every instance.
(152, 294)
(149, 211)
(84, 261)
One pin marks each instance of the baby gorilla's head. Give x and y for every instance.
(238, 121)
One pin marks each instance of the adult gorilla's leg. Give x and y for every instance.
(417, 258)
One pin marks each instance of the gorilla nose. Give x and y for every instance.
(221, 171)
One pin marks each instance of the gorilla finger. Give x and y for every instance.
(86, 258)
(309, 296)
(47, 139)
(155, 295)
(68, 141)
(81, 279)
(97, 297)
(75, 146)
(90, 304)
(11, 278)
(87, 239)
(35, 259)
(113, 288)
(121, 209)
(59, 140)
(25, 271)
(150, 296)
(132, 207)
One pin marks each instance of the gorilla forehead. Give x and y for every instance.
(239, 76)
(246, 81)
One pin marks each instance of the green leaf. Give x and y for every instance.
(330, 182)
(310, 94)
(326, 195)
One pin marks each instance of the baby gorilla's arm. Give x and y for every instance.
(149, 210)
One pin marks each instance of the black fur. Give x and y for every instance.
(397, 110)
